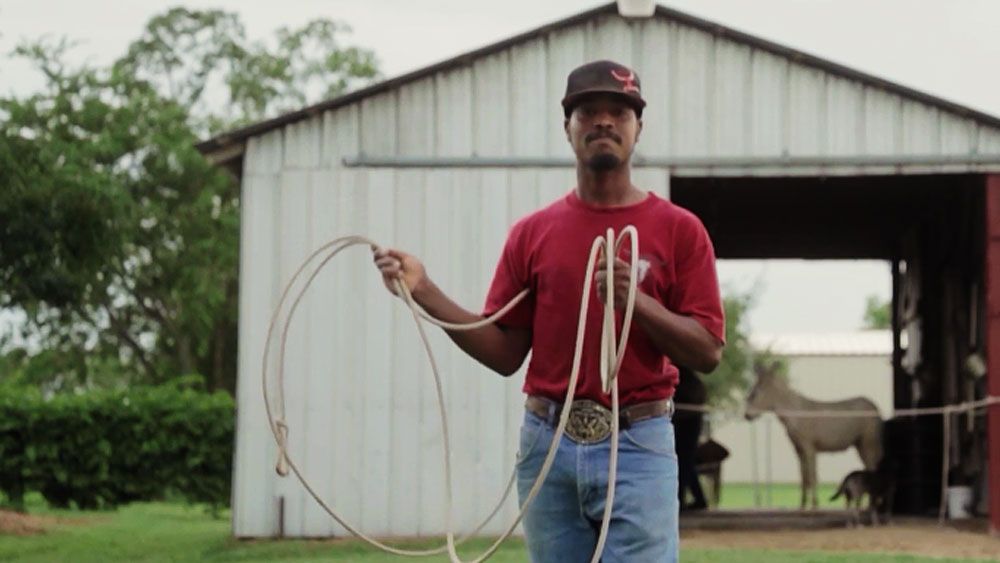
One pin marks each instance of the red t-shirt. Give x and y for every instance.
(547, 252)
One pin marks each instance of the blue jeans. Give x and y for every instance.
(563, 521)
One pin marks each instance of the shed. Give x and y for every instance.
(781, 154)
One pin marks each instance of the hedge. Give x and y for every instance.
(104, 448)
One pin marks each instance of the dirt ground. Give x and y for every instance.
(16, 524)
(919, 537)
(924, 538)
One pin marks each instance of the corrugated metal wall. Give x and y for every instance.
(360, 406)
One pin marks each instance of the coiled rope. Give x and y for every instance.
(612, 353)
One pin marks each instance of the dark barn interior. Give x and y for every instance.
(931, 230)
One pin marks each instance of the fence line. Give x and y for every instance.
(944, 411)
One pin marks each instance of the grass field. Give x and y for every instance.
(162, 532)
(779, 495)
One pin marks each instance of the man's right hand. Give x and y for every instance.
(397, 265)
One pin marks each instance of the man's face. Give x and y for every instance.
(603, 131)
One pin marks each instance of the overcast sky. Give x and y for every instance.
(949, 48)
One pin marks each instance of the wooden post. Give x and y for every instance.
(993, 341)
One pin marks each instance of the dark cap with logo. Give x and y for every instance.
(603, 77)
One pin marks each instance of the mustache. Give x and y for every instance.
(603, 135)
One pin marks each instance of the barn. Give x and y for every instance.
(782, 154)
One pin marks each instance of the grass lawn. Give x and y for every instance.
(779, 495)
(170, 532)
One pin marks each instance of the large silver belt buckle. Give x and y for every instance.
(589, 422)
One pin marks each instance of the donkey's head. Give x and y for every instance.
(766, 391)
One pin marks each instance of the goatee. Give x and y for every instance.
(604, 162)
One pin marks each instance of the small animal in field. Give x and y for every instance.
(878, 486)
(813, 434)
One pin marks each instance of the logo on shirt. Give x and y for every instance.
(644, 266)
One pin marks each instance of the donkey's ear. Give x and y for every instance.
(762, 367)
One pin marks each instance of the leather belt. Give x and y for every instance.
(590, 422)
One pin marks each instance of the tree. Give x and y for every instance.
(878, 313)
(119, 240)
(203, 61)
(727, 384)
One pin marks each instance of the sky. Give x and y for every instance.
(949, 48)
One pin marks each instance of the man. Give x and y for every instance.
(678, 318)
(690, 391)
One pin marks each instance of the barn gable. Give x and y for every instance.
(719, 100)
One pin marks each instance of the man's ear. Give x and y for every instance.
(638, 131)
(566, 129)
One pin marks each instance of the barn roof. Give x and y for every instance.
(228, 145)
(857, 343)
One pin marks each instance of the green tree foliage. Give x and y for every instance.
(119, 240)
(730, 381)
(878, 313)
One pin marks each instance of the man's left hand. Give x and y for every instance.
(621, 276)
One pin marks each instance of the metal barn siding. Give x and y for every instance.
(363, 420)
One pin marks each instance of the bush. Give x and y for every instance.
(103, 448)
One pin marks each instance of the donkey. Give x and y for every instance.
(810, 435)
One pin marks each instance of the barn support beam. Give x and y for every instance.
(993, 341)
(980, 162)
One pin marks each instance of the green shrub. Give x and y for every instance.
(103, 448)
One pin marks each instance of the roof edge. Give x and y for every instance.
(224, 140)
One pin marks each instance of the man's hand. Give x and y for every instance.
(621, 275)
(397, 265)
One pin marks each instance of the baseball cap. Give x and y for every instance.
(603, 77)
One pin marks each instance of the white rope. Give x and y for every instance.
(608, 369)
(897, 413)
(945, 411)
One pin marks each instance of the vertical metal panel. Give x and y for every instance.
(410, 374)
(378, 129)
(530, 101)
(769, 98)
(921, 129)
(654, 56)
(611, 38)
(492, 90)
(806, 111)
(988, 141)
(294, 244)
(957, 134)
(378, 376)
(845, 113)
(340, 135)
(883, 122)
(323, 393)
(653, 180)
(692, 100)
(463, 382)
(494, 456)
(454, 112)
(732, 81)
(417, 120)
(565, 52)
(254, 505)
(265, 153)
(348, 370)
(436, 256)
(303, 143)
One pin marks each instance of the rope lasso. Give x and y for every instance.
(612, 354)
